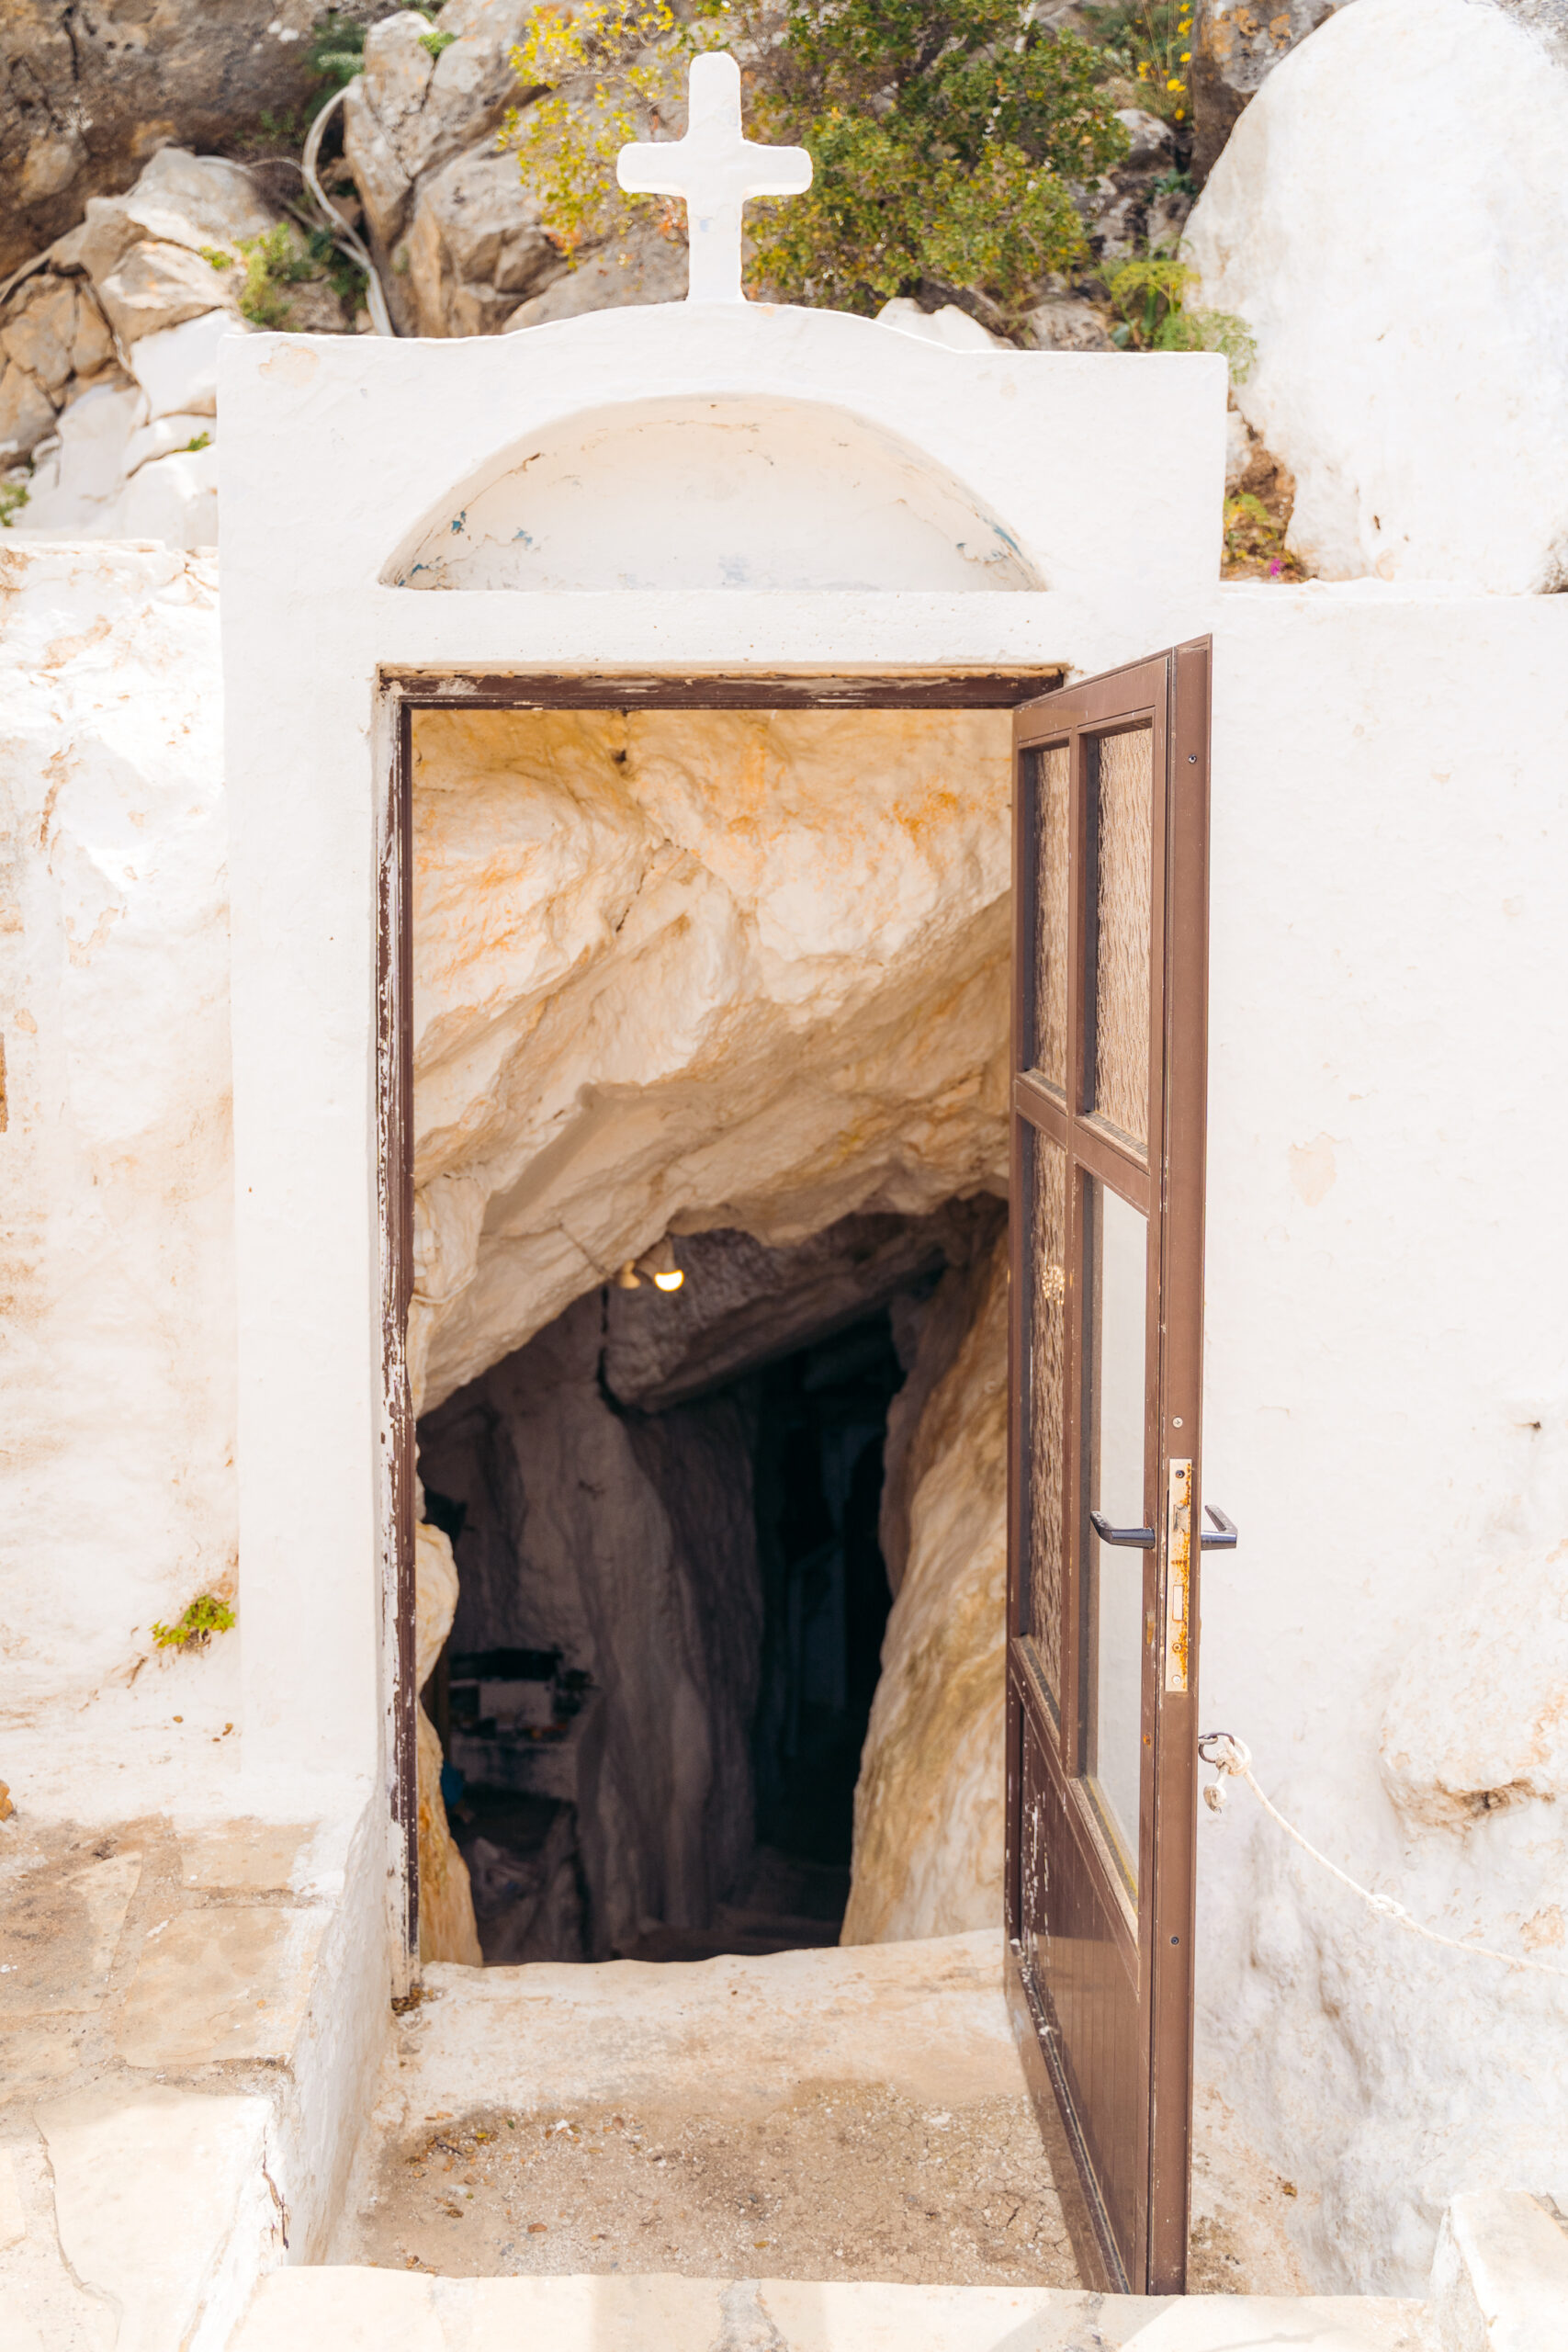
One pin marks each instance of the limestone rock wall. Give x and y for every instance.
(117, 1342)
(681, 971)
(446, 1927)
(929, 1819)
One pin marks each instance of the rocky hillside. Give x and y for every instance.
(164, 172)
(88, 94)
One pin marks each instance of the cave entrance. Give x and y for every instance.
(677, 1517)
(698, 964)
(742, 962)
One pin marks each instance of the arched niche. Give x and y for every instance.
(737, 493)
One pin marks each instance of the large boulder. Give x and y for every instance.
(161, 286)
(1236, 44)
(644, 266)
(1389, 218)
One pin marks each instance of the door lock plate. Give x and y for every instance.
(1178, 1575)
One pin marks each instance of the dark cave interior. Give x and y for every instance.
(819, 1417)
(666, 1516)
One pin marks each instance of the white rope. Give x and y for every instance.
(345, 238)
(1232, 1758)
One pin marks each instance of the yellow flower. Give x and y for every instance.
(1174, 83)
(1185, 55)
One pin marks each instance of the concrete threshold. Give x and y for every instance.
(308, 2310)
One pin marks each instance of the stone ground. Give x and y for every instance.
(854, 2113)
(156, 1972)
(145, 1947)
(839, 2116)
(843, 2180)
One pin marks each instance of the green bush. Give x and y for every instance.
(944, 137)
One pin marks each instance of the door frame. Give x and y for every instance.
(399, 693)
(1173, 690)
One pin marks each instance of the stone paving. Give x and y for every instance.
(155, 1982)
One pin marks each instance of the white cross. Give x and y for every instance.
(714, 168)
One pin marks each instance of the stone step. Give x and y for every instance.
(333, 2310)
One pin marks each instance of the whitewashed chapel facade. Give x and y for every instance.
(745, 502)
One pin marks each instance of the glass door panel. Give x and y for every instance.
(1117, 1235)
(1047, 1400)
(1053, 770)
(1120, 817)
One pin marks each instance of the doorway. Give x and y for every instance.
(812, 1714)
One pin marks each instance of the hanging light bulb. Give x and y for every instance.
(659, 1264)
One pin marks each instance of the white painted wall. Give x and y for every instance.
(1107, 478)
(1388, 1398)
(116, 1337)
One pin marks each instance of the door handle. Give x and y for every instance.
(1221, 1537)
(1133, 1539)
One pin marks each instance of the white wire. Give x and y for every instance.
(1236, 1762)
(347, 239)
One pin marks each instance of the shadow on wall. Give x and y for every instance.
(716, 493)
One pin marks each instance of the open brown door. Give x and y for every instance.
(1109, 1002)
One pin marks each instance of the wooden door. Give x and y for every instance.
(1109, 948)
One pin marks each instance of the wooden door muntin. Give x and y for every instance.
(1101, 1942)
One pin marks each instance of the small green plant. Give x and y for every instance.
(336, 50)
(14, 496)
(336, 53)
(273, 260)
(1255, 541)
(199, 441)
(286, 130)
(215, 257)
(204, 1617)
(1150, 43)
(1151, 296)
